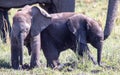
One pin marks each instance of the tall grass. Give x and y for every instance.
(96, 9)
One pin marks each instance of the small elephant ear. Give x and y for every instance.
(40, 20)
(77, 28)
(42, 11)
(73, 25)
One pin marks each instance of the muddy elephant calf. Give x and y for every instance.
(72, 31)
(27, 25)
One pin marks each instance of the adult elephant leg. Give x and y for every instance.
(7, 20)
(2, 27)
(35, 53)
(5, 30)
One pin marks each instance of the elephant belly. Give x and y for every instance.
(59, 35)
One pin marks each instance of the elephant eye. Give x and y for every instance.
(24, 30)
(27, 29)
(96, 39)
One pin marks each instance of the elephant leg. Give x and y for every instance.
(50, 51)
(3, 35)
(28, 47)
(2, 27)
(7, 21)
(14, 58)
(80, 49)
(53, 62)
(14, 54)
(51, 55)
(84, 49)
(90, 56)
(5, 27)
(35, 53)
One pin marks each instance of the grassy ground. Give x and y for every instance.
(110, 56)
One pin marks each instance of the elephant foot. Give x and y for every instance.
(15, 65)
(18, 68)
(26, 66)
(102, 64)
(59, 67)
(94, 62)
(35, 65)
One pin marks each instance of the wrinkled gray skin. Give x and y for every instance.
(111, 15)
(74, 31)
(27, 25)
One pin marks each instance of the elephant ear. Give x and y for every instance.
(40, 10)
(40, 20)
(76, 25)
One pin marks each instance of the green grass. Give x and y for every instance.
(110, 56)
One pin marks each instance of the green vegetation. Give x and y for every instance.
(96, 9)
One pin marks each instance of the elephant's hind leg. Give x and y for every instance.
(51, 55)
(35, 53)
(50, 51)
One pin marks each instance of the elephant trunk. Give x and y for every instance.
(111, 14)
(99, 52)
(21, 48)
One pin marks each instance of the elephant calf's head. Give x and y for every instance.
(21, 24)
(86, 31)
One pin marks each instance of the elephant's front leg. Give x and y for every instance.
(35, 54)
(90, 56)
(84, 49)
(14, 54)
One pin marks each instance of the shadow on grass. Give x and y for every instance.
(4, 64)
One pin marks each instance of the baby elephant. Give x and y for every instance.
(74, 31)
(25, 23)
